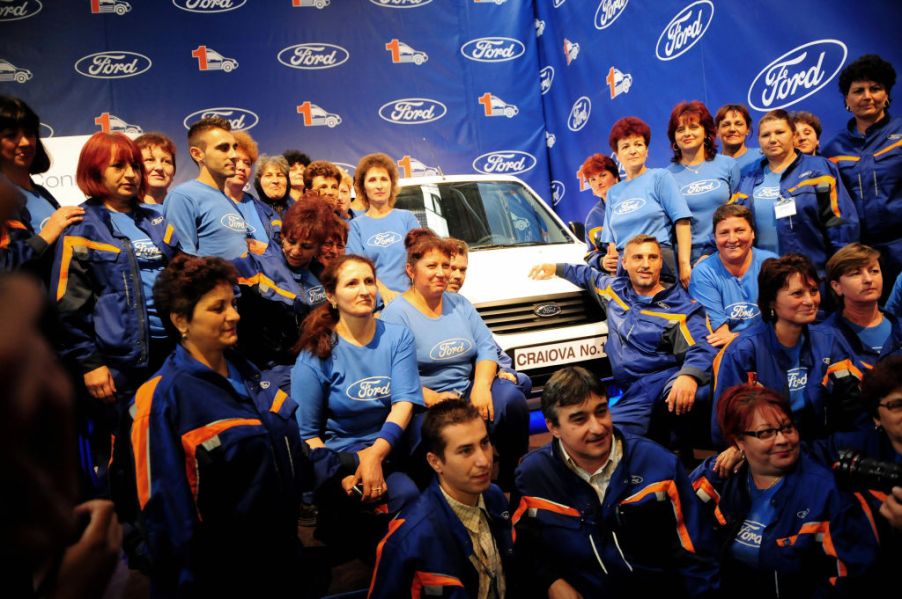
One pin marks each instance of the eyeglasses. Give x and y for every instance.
(894, 405)
(770, 433)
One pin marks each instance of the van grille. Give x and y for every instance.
(564, 309)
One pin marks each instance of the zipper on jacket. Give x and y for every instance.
(139, 310)
(776, 583)
(860, 187)
(290, 459)
(128, 296)
(597, 556)
(876, 187)
(620, 551)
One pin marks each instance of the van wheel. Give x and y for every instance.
(227, 67)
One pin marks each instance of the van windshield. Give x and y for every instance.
(485, 214)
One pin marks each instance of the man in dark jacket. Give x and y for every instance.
(455, 541)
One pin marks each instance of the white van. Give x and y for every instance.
(542, 325)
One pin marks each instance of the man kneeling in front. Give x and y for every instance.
(604, 513)
(455, 541)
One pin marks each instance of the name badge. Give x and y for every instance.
(785, 207)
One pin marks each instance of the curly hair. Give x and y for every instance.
(696, 109)
(596, 164)
(375, 160)
(629, 126)
(307, 219)
(869, 67)
(320, 168)
(185, 281)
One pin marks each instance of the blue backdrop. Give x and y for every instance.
(526, 87)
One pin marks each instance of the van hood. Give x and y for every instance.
(502, 274)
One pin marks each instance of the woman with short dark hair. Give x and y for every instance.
(869, 157)
(217, 454)
(785, 527)
(804, 362)
(734, 125)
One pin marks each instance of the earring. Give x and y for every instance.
(675, 147)
(184, 335)
(847, 107)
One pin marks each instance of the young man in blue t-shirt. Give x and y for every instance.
(207, 221)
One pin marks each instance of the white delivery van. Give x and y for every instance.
(542, 325)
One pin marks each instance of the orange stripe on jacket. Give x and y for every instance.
(277, 401)
(868, 513)
(262, 279)
(430, 579)
(680, 318)
(141, 438)
(888, 148)
(703, 485)
(16, 224)
(829, 179)
(841, 365)
(715, 365)
(737, 196)
(821, 530)
(836, 159)
(167, 237)
(393, 526)
(538, 503)
(69, 245)
(668, 487)
(609, 293)
(200, 435)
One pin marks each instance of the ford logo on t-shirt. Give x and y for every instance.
(630, 205)
(742, 311)
(767, 193)
(450, 348)
(750, 533)
(234, 222)
(700, 187)
(372, 388)
(797, 378)
(317, 295)
(146, 249)
(384, 239)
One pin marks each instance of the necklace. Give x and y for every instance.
(697, 170)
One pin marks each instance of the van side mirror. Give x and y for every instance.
(578, 228)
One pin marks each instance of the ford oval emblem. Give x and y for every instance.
(493, 49)
(504, 162)
(684, 30)
(313, 56)
(400, 3)
(241, 119)
(113, 64)
(797, 74)
(20, 9)
(208, 6)
(608, 12)
(412, 111)
(547, 310)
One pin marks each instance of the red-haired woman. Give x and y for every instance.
(786, 530)
(648, 202)
(601, 173)
(706, 179)
(158, 152)
(104, 272)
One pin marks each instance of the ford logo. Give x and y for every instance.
(504, 162)
(384, 239)
(799, 73)
(239, 118)
(114, 64)
(313, 56)
(209, 6)
(608, 12)
(684, 30)
(45, 130)
(493, 49)
(742, 311)
(546, 310)
(699, 187)
(450, 348)
(234, 222)
(557, 192)
(400, 3)
(630, 205)
(371, 388)
(579, 114)
(412, 111)
(349, 168)
(16, 11)
(546, 77)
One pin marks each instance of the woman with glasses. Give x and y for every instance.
(786, 352)
(786, 529)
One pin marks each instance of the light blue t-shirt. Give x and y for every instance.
(309, 287)
(749, 161)
(150, 264)
(728, 299)
(255, 226)
(705, 187)
(874, 337)
(765, 195)
(796, 376)
(236, 380)
(345, 398)
(747, 544)
(382, 241)
(650, 204)
(39, 209)
(448, 346)
(894, 303)
(207, 221)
